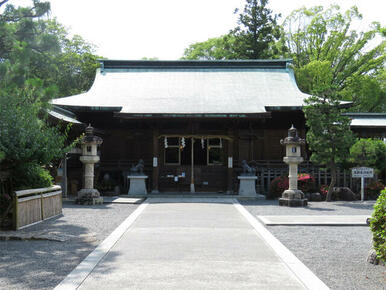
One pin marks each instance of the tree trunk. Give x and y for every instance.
(332, 183)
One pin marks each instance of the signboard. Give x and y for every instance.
(230, 162)
(365, 172)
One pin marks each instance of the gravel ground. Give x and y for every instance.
(337, 255)
(42, 264)
(271, 207)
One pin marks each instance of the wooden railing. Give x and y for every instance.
(35, 205)
(267, 171)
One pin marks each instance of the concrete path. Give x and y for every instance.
(190, 244)
(314, 220)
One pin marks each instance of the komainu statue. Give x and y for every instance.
(247, 170)
(138, 169)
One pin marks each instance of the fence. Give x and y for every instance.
(267, 171)
(35, 205)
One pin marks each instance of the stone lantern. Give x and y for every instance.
(293, 196)
(89, 195)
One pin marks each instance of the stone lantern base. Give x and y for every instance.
(293, 198)
(89, 197)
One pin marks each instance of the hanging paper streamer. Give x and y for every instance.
(183, 142)
(166, 142)
(202, 143)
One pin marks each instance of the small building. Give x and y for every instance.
(192, 122)
(368, 125)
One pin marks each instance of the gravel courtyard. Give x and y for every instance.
(42, 264)
(336, 254)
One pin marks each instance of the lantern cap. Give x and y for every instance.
(89, 137)
(292, 138)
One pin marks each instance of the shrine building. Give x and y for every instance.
(192, 122)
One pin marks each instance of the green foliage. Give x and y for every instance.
(218, 48)
(256, 32)
(369, 153)
(378, 226)
(329, 136)
(373, 189)
(38, 61)
(325, 36)
(25, 136)
(256, 36)
(31, 175)
(368, 92)
(35, 47)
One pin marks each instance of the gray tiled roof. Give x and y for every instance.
(194, 87)
(367, 119)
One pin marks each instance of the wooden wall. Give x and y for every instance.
(125, 141)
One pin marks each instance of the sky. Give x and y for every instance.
(133, 29)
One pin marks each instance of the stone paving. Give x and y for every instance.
(187, 244)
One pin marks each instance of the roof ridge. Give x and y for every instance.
(255, 63)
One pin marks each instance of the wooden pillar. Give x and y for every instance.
(156, 161)
(230, 165)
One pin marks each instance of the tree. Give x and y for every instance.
(25, 136)
(72, 70)
(370, 153)
(256, 36)
(35, 47)
(329, 136)
(322, 35)
(368, 92)
(217, 48)
(257, 30)
(36, 58)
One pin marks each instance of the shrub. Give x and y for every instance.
(278, 185)
(306, 183)
(378, 226)
(31, 175)
(323, 190)
(373, 189)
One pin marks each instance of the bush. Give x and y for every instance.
(378, 226)
(370, 153)
(278, 185)
(323, 190)
(306, 183)
(31, 176)
(373, 189)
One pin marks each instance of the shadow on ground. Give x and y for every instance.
(42, 264)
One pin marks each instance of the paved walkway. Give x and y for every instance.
(191, 244)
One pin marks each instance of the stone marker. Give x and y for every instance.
(293, 196)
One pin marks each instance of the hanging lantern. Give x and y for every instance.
(166, 142)
(202, 143)
(183, 143)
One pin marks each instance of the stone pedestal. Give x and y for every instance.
(137, 185)
(89, 196)
(247, 187)
(293, 197)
